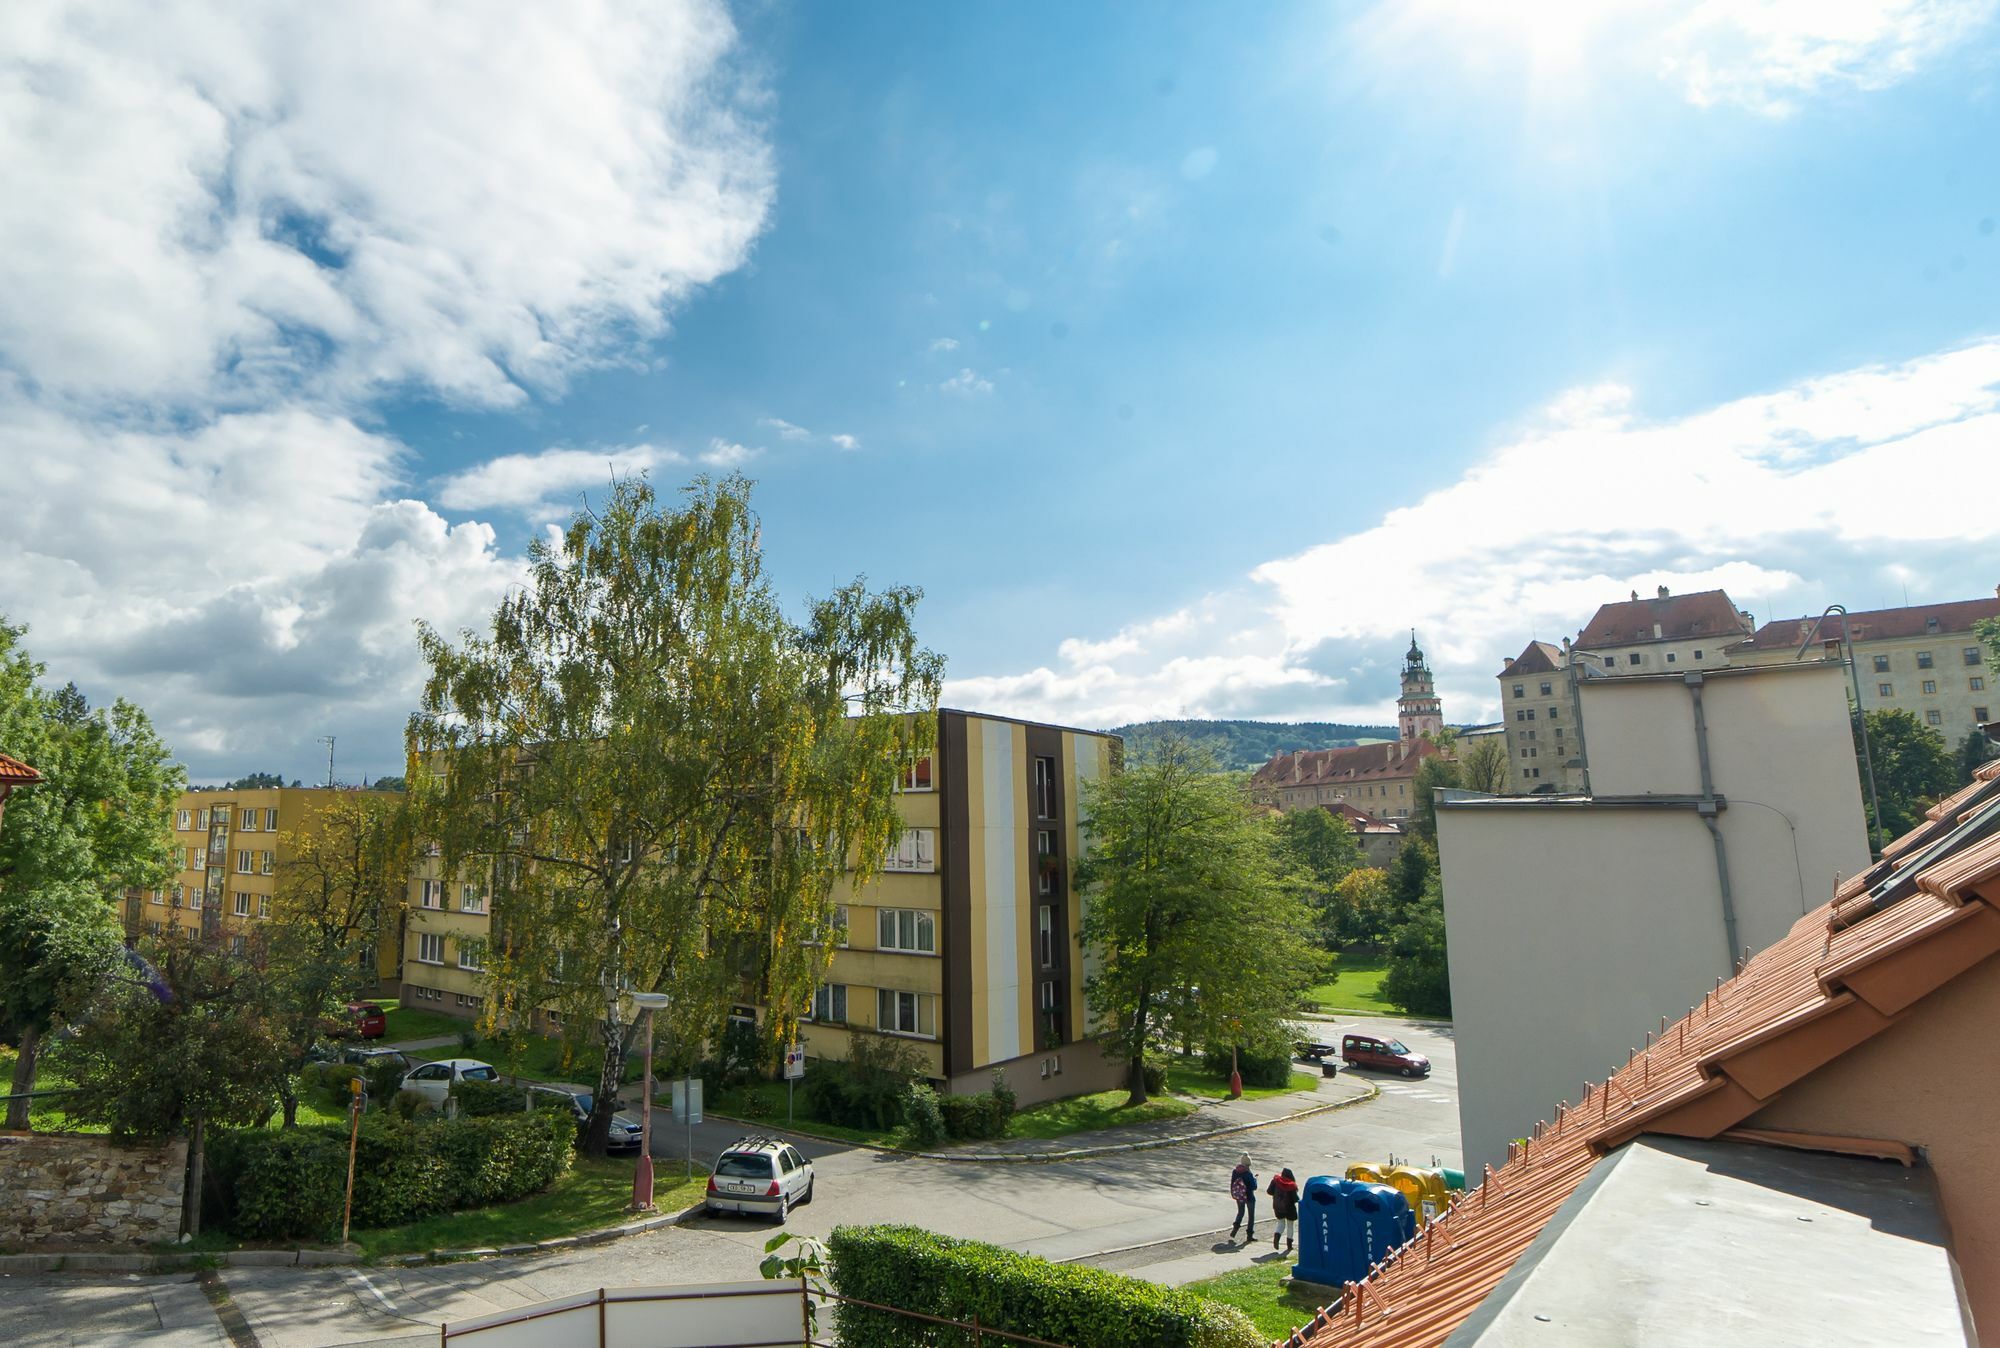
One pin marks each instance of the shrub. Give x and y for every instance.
(972, 1116)
(1003, 1094)
(1271, 1067)
(383, 1080)
(866, 1091)
(289, 1183)
(481, 1099)
(410, 1104)
(921, 1271)
(744, 1055)
(1156, 1078)
(922, 1114)
(324, 1085)
(468, 1039)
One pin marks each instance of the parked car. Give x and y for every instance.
(1383, 1055)
(1310, 1043)
(626, 1127)
(369, 1058)
(433, 1080)
(367, 1020)
(760, 1175)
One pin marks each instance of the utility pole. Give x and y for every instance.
(327, 740)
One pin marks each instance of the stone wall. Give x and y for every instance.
(76, 1189)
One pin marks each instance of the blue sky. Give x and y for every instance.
(1253, 335)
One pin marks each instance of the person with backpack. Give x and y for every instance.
(1284, 1193)
(1243, 1188)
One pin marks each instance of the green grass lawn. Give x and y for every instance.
(1187, 1076)
(409, 1022)
(1260, 1293)
(1356, 986)
(537, 1057)
(594, 1194)
(764, 1102)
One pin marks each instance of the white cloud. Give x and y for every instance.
(967, 383)
(846, 442)
(945, 344)
(229, 233)
(1765, 54)
(727, 454)
(548, 481)
(1832, 490)
(785, 429)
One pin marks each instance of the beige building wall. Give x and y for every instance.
(1940, 678)
(1574, 924)
(1539, 714)
(443, 960)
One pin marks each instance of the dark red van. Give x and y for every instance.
(1383, 1055)
(369, 1021)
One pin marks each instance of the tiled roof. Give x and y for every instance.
(1360, 820)
(1877, 624)
(1537, 657)
(1360, 763)
(1843, 974)
(1677, 616)
(13, 772)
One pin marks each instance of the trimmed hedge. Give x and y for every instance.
(974, 1115)
(918, 1270)
(1258, 1069)
(288, 1183)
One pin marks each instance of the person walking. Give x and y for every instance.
(1284, 1193)
(1243, 1188)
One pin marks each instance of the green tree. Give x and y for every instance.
(256, 781)
(1913, 769)
(1484, 767)
(1974, 752)
(1361, 907)
(95, 825)
(1414, 866)
(1187, 908)
(660, 776)
(1433, 774)
(339, 896)
(389, 784)
(1317, 850)
(175, 1045)
(1419, 974)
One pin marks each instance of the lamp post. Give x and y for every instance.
(642, 1173)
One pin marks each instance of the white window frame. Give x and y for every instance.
(428, 942)
(829, 1005)
(915, 852)
(194, 900)
(907, 781)
(270, 819)
(197, 859)
(201, 820)
(246, 821)
(890, 1004)
(267, 863)
(159, 896)
(470, 900)
(184, 820)
(240, 905)
(243, 862)
(905, 930)
(263, 905)
(468, 959)
(432, 895)
(1045, 934)
(1043, 784)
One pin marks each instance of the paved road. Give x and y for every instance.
(1154, 1213)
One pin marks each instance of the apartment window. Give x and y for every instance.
(830, 1003)
(1045, 788)
(1532, 772)
(1636, 658)
(1923, 659)
(242, 908)
(433, 896)
(430, 948)
(267, 862)
(1048, 997)
(1520, 689)
(906, 929)
(1934, 717)
(1559, 732)
(247, 821)
(1979, 715)
(159, 896)
(1930, 624)
(433, 850)
(181, 820)
(263, 905)
(1977, 683)
(194, 900)
(1886, 689)
(916, 850)
(917, 776)
(1670, 657)
(1531, 734)
(904, 1013)
(271, 819)
(201, 819)
(197, 859)
(1881, 664)
(243, 863)
(1554, 712)
(1547, 689)
(179, 894)
(1930, 686)
(470, 900)
(1971, 655)
(1531, 713)
(1520, 715)
(1045, 932)
(1697, 655)
(468, 958)
(237, 945)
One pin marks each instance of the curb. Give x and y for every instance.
(556, 1245)
(1073, 1153)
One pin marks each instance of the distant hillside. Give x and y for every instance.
(1250, 744)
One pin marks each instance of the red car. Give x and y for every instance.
(369, 1022)
(1384, 1055)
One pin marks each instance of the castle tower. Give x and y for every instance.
(1418, 710)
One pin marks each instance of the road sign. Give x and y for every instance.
(795, 1062)
(683, 1090)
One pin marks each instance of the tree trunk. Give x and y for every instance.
(1137, 1084)
(597, 1130)
(24, 1078)
(191, 1192)
(288, 1095)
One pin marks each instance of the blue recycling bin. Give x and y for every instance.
(1346, 1227)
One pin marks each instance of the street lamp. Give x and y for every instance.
(642, 1173)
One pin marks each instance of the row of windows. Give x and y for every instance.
(1970, 654)
(1975, 684)
(896, 1012)
(1936, 717)
(430, 950)
(247, 820)
(471, 899)
(1528, 713)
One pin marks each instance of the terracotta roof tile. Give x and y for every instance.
(13, 772)
(1678, 616)
(1537, 657)
(1796, 1005)
(1360, 763)
(1913, 621)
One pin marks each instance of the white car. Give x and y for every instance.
(433, 1080)
(760, 1175)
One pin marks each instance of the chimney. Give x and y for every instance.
(1635, 596)
(1663, 592)
(1658, 631)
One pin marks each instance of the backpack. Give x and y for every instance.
(1239, 1188)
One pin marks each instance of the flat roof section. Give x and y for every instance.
(1679, 1243)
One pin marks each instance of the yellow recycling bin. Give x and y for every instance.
(1423, 1186)
(1369, 1174)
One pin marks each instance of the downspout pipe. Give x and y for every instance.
(1707, 809)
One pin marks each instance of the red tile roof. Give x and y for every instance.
(1877, 624)
(1678, 616)
(1360, 820)
(13, 772)
(1360, 763)
(1537, 657)
(1843, 974)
